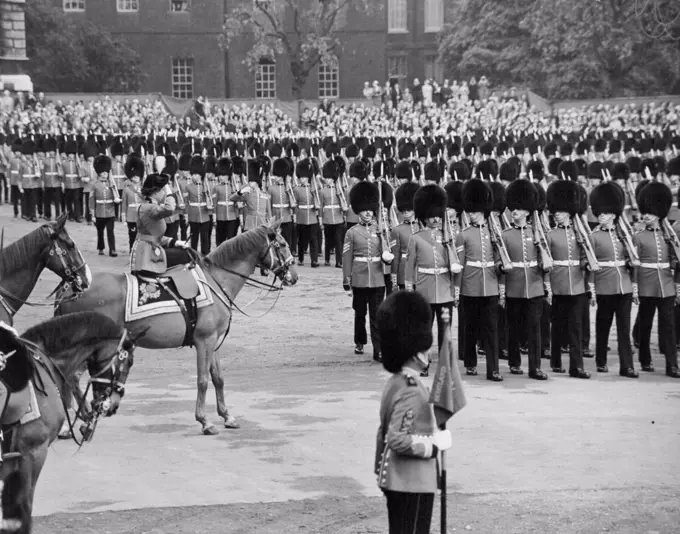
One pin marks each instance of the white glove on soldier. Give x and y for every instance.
(443, 440)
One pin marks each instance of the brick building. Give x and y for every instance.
(12, 36)
(178, 43)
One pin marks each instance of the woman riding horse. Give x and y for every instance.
(148, 252)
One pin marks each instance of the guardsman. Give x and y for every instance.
(403, 232)
(307, 213)
(52, 179)
(522, 286)
(132, 195)
(87, 177)
(613, 286)
(357, 173)
(567, 279)
(102, 202)
(407, 443)
(362, 270)
(333, 208)
(16, 190)
(282, 198)
(118, 173)
(183, 180)
(198, 201)
(256, 203)
(431, 261)
(30, 181)
(477, 286)
(655, 281)
(72, 182)
(226, 214)
(498, 190)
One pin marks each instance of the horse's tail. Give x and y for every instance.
(15, 505)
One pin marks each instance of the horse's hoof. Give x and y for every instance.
(210, 431)
(230, 422)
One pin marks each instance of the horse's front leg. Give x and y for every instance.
(218, 384)
(202, 370)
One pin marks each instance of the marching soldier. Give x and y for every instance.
(403, 233)
(16, 189)
(613, 285)
(183, 180)
(52, 180)
(282, 198)
(567, 279)
(30, 181)
(522, 285)
(333, 208)
(307, 213)
(132, 195)
(199, 205)
(357, 173)
(362, 269)
(72, 182)
(655, 281)
(431, 260)
(118, 173)
(102, 202)
(226, 214)
(477, 287)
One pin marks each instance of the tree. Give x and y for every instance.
(560, 48)
(305, 31)
(69, 57)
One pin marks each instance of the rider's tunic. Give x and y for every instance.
(148, 252)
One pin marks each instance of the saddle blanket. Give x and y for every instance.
(146, 298)
(22, 407)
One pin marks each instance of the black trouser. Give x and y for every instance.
(524, 313)
(201, 230)
(607, 307)
(333, 237)
(40, 200)
(52, 196)
(287, 231)
(585, 322)
(307, 236)
(319, 237)
(545, 327)
(479, 320)
(437, 310)
(183, 226)
(502, 332)
(105, 223)
(4, 189)
(225, 230)
(29, 203)
(132, 233)
(117, 206)
(367, 299)
(666, 328)
(409, 513)
(210, 228)
(72, 201)
(16, 199)
(85, 203)
(172, 229)
(567, 323)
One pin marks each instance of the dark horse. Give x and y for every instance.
(227, 268)
(22, 262)
(49, 354)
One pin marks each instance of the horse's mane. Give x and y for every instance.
(61, 333)
(15, 255)
(239, 246)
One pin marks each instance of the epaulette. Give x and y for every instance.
(411, 381)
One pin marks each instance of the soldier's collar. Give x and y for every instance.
(518, 227)
(475, 225)
(564, 225)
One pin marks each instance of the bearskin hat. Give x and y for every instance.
(184, 162)
(304, 169)
(600, 145)
(266, 163)
(563, 195)
(210, 165)
(566, 149)
(634, 164)
(582, 148)
(429, 201)
(614, 146)
(432, 172)
(254, 171)
(197, 166)
(486, 170)
(581, 167)
(379, 169)
(224, 167)
(102, 164)
(280, 168)
(170, 167)
(28, 147)
(330, 170)
(50, 144)
(542, 201)
(673, 168)
(454, 195)
(117, 149)
(370, 152)
(387, 194)
(595, 170)
(405, 323)
(459, 171)
(403, 170)
(16, 146)
(568, 170)
(620, 171)
(415, 167)
(364, 196)
(521, 195)
(535, 170)
(358, 170)
(507, 172)
(638, 188)
(607, 197)
(550, 150)
(352, 151)
(154, 183)
(554, 166)
(238, 165)
(656, 198)
(660, 163)
(650, 164)
(134, 166)
(498, 190)
(477, 197)
(404, 194)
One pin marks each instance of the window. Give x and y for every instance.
(397, 68)
(396, 16)
(128, 6)
(74, 5)
(264, 4)
(265, 79)
(434, 15)
(434, 69)
(180, 6)
(329, 80)
(182, 77)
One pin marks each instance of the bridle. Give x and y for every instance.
(275, 252)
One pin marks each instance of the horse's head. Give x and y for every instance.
(277, 256)
(109, 368)
(64, 258)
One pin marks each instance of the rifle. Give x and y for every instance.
(541, 243)
(497, 241)
(671, 237)
(384, 234)
(583, 240)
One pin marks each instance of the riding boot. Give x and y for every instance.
(4, 400)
